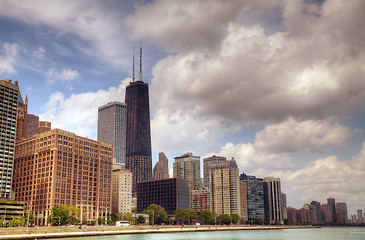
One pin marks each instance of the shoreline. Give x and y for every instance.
(90, 231)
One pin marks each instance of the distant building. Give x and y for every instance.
(255, 196)
(326, 210)
(341, 211)
(112, 124)
(161, 169)
(122, 191)
(207, 163)
(284, 209)
(187, 167)
(360, 218)
(60, 168)
(332, 202)
(172, 194)
(224, 187)
(272, 200)
(43, 126)
(244, 203)
(200, 199)
(32, 124)
(9, 94)
(316, 214)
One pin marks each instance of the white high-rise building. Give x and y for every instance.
(122, 191)
(272, 199)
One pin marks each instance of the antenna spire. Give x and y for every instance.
(133, 76)
(140, 61)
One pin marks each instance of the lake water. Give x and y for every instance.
(326, 233)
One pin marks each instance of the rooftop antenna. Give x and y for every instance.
(140, 61)
(133, 76)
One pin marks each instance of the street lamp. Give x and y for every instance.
(28, 215)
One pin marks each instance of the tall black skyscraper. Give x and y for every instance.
(138, 141)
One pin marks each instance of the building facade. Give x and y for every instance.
(60, 168)
(32, 124)
(332, 202)
(21, 123)
(187, 167)
(272, 200)
(207, 163)
(9, 93)
(255, 197)
(161, 169)
(172, 194)
(316, 214)
(122, 191)
(341, 212)
(43, 126)
(326, 213)
(224, 187)
(200, 199)
(112, 126)
(138, 140)
(244, 203)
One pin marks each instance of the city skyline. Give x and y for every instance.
(279, 86)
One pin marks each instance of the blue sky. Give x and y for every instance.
(278, 85)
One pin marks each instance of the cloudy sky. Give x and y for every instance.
(278, 85)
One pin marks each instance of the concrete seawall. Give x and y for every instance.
(67, 232)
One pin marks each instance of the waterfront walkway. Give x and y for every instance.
(66, 232)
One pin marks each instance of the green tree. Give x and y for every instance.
(18, 221)
(31, 217)
(141, 219)
(58, 216)
(2, 222)
(73, 213)
(206, 217)
(235, 218)
(157, 214)
(224, 219)
(101, 220)
(186, 215)
(114, 217)
(128, 217)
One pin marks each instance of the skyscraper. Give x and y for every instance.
(341, 212)
(331, 201)
(8, 113)
(161, 169)
(21, 123)
(272, 199)
(32, 124)
(187, 167)
(138, 141)
(316, 214)
(255, 197)
(112, 121)
(224, 187)
(207, 163)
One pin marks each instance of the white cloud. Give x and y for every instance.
(64, 76)
(8, 57)
(294, 136)
(40, 53)
(79, 112)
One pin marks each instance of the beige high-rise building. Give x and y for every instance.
(207, 163)
(326, 213)
(161, 169)
(187, 167)
(224, 187)
(122, 191)
(60, 168)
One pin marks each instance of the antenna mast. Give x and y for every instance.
(140, 61)
(133, 76)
